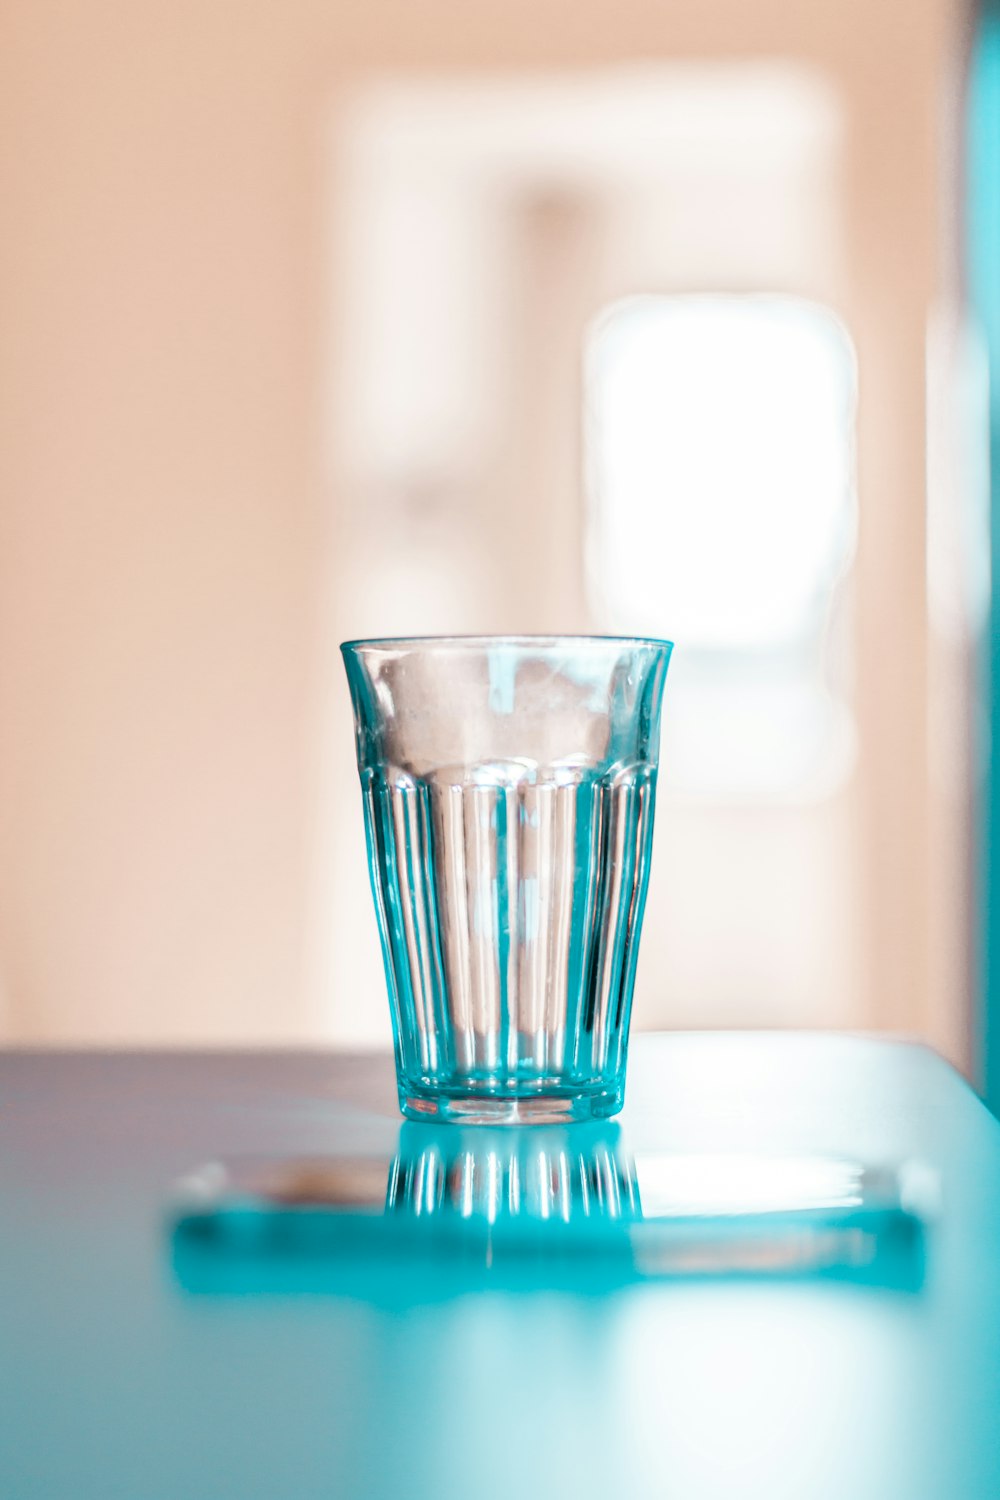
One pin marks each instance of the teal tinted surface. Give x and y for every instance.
(983, 255)
(118, 1378)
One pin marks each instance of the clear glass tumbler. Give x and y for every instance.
(508, 787)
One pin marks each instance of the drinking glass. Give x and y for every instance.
(508, 786)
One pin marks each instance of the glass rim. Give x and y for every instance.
(537, 641)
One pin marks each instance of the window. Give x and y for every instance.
(720, 435)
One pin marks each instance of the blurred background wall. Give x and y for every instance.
(330, 321)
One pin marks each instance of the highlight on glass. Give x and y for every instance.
(508, 786)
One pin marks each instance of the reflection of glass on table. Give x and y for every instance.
(572, 1199)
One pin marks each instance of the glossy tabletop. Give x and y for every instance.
(121, 1375)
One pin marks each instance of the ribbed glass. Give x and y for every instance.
(514, 1178)
(508, 788)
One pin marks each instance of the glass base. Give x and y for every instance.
(496, 1109)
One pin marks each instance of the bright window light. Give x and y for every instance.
(721, 449)
(720, 456)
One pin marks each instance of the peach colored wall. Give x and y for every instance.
(161, 521)
(168, 537)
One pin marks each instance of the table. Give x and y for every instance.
(117, 1380)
